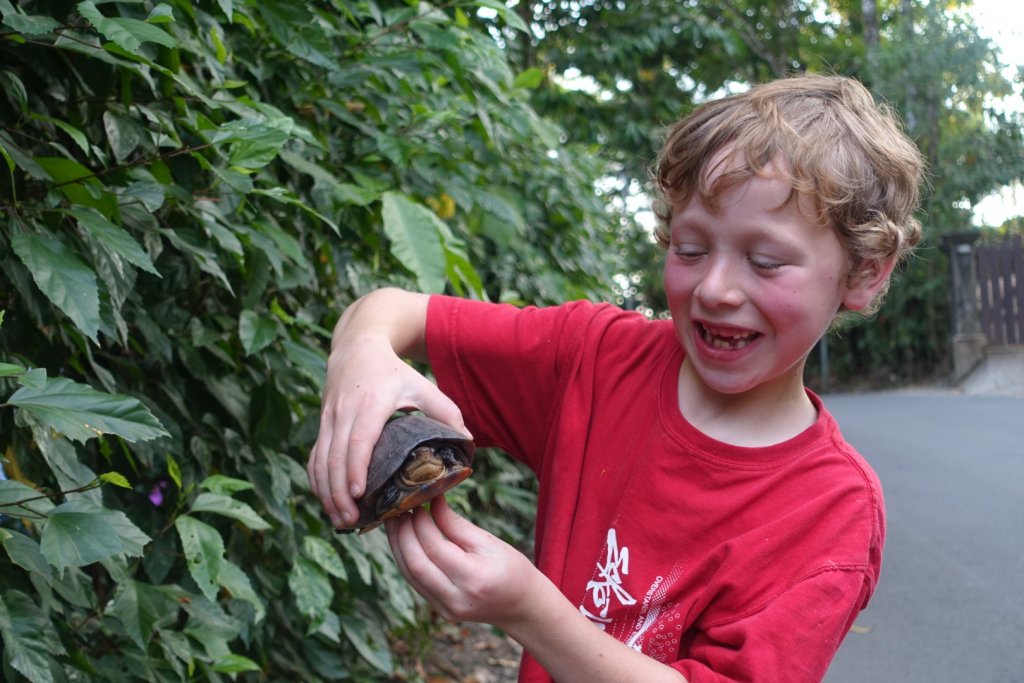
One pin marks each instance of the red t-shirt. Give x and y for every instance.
(727, 563)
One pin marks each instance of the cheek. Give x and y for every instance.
(678, 283)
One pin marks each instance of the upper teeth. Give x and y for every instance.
(727, 340)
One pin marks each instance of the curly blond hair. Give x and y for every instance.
(837, 146)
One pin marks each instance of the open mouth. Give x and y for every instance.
(725, 339)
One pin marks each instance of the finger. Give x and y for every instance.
(320, 486)
(443, 552)
(457, 529)
(425, 577)
(349, 455)
(319, 468)
(335, 473)
(366, 429)
(391, 529)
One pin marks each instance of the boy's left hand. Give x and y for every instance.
(464, 572)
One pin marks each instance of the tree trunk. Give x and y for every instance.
(526, 48)
(907, 18)
(869, 15)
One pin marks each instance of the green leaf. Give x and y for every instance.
(509, 15)
(79, 184)
(32, 25)
(286, 197)
(63, 460)
(151, 195)
(415, 240)
(80, 412)
(13, 85)
(229, 507)
(25, 553)
(237, 583)
(255, 142)
(63, 278)
(211, 626)
(10, 164)
(115, 478)
(255, 331)
(75, 134)
(34, 378)
(113, 238)
(142, 608)
(122, 133)
(226, 6)
(233, 664)
(312, 362)
(369, 642)
(12, 493)
(204, 552)
(74, 538)
(174, 470)
(311, 588)
(502, 220)
(161, 14)
(22, 159)
(325, 555)
(133, 540)
(530, 79)
(218, 483)
(346, 193)
(128, 34)
(30, 642)
(285, 243)
(218, 44)
(7, 369)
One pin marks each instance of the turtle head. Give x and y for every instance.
(423, 466)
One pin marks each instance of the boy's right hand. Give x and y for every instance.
(366, 383)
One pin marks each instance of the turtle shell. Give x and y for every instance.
(399, 438)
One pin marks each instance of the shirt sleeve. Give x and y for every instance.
(790, 640)
(505, 367)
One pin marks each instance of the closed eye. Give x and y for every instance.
(689, 253)
(762, 263)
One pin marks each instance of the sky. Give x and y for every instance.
(1002, 21)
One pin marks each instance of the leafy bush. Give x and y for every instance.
(191, 192)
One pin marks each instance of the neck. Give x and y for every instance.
(768, 414)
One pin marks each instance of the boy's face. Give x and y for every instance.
(753, 286)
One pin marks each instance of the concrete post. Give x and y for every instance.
(967, 342)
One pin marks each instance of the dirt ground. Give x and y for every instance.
(473, 653)
(469, 653)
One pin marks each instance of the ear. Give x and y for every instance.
(865, 284)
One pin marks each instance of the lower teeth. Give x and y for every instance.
(728, 344)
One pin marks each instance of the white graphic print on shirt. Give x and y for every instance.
(655, 627)
(608, 582)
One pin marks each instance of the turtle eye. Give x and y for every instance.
(448, 456)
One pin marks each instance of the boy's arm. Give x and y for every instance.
(469, 575)
(366, 382)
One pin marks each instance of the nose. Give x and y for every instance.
(720, 285)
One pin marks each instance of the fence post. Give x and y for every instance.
(967, 341)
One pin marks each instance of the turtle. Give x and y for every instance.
(416, 459)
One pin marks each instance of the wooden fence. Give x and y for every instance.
(1000, 273)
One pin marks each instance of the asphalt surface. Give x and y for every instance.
(950, 602)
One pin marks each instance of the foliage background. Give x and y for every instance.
(192, 191)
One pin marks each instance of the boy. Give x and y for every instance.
(700, 516)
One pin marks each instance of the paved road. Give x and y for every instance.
(950, 604)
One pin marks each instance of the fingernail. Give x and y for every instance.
(335, 519)
(346, 518)
(354, 489)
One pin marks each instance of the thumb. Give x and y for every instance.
(440, 407)
(456, 529)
